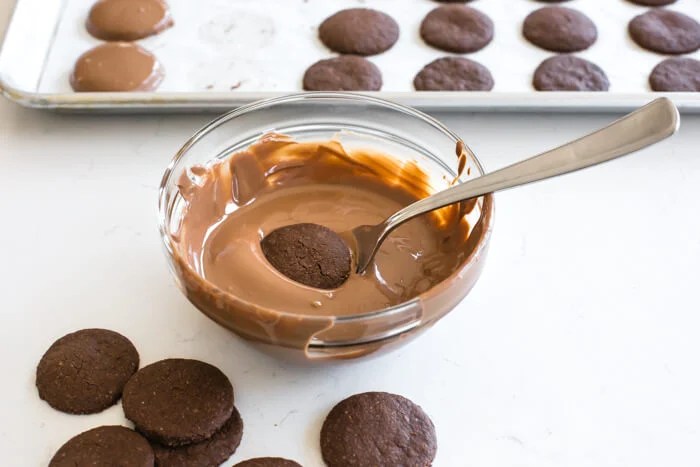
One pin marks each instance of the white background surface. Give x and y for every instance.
(578, 347)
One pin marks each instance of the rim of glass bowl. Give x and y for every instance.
(320, 96)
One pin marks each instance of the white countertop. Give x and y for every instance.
(578, 347)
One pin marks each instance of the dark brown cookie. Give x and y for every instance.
(457, 28)
(453, 74)
(344, 73)
(311, 254)
(210, 452)
(377, 428)
(653, 2)
(359, 31)
(128, 20)
(678, 74)
(178, 401)
(85, 371)
(665, 31)
(268, 462)
(569, 73)
(105, 446)
(559, 29)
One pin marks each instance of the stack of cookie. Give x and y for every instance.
(120, 64)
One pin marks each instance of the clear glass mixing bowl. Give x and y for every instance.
(358, 121)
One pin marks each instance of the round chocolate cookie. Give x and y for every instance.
(359, 31)
(665, 31)
(268, 462)
(85, 371)
(457, 28)
(178, 401)
(653, 2)
(344, 73)
(377, 428)
(128, 20)
(569, 73)
(678, 74)
(559, 29)
(453, 74)
(116, 67)
(210, 452)
(106, 445)
(310, 254)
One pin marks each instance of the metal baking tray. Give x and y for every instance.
(225, 53)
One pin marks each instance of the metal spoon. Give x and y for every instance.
(643, 127)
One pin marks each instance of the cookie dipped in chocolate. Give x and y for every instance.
(116, 67)
(233, 203)
(127, 20)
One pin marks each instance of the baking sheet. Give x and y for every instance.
(222, 53)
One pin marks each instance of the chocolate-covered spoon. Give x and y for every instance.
(643, 127)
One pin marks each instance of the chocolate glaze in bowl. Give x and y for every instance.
(371, 133)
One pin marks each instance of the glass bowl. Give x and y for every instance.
(359, 122)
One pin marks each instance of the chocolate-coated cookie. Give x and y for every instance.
(310, 254)
(653, 2)
(105, 446)
(559, 29)
(569, 73)
(665, 31)
(268, 462)
(678, 74)
(178, 401)
(359, 31)
(116, 67)
(128, 20)
(85, 371)
(377, 428)
(210, 452)
(344, 73)
(453, 74)
(457, 28)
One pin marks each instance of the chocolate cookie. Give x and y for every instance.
(653, 2)
(128, 20)
(569, 73)
(559, 29)
(268, 462)
(359, 31)
(178, 401)
(678, 74)
(453, 74)
(666, 32)
(377, 428)
(210, 452)
(457, 28)
(85, 371)
(103, 446)
(116, 67)
(311, 254)
(344, 73)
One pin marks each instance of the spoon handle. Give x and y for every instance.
(637, 130)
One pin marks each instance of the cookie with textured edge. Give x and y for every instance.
(457, 28)
(105, 445)
(344, 73)
(85, 371)
(178, 401)
(569, 73)
(677, 74)
(359, 31)
(559, 29)
(377, 428)
(268, 462)
(665, 31)
(453, 74)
